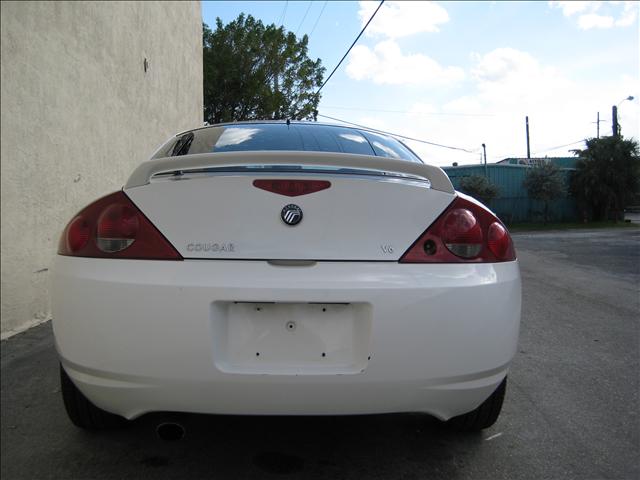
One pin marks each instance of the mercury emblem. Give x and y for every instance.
(291, 214)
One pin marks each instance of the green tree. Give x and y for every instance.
(607, 176)
(479, 187)
(544, 182)
(256, 71)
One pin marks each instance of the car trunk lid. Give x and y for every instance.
(221, 210)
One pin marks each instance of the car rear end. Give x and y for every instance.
(199, 288)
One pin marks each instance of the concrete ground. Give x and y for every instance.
(571, 409)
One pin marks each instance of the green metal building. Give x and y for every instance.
(513, 204)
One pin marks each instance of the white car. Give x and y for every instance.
(285, 268)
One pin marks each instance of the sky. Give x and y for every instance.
(461, 74)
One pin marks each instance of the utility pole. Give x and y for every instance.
(528, 149)
(598, 122)
(486, 171)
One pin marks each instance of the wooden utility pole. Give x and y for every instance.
(597, 122)
(528, 149)
(614, 121)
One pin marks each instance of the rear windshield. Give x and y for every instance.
(280, 136)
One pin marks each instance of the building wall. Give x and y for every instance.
(78, 112)
(513, 204)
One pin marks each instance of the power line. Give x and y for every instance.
(414, 112)
(559, 146)
(283, 14)
(539, 151)
(303, 18)
(318, 19)
(401, 136)
(354, 42)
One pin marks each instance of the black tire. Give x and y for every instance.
(484, 416)
(81, 411)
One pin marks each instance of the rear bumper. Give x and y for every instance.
(141, 336)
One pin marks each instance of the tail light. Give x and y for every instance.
(113, 227)
(465, 232)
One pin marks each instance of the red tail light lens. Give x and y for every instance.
(292, 188)
(113, 227)
(77, 234)
(498, 240)
(465, 232)
(117, 228)
(462, 234)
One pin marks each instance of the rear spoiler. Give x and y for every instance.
(215, 161)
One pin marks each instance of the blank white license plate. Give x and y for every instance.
(291, 338)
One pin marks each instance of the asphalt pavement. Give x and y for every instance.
(571, 409)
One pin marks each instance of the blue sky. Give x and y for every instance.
(466, 73)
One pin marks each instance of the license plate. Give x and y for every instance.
(291, 338)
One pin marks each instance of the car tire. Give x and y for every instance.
(81, 411)
(484, 416)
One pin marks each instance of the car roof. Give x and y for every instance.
(294, 122)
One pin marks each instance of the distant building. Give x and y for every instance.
(513, 204)
(562, 162)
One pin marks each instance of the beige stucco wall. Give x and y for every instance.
(78, 113)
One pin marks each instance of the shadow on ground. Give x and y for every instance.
(313, 447)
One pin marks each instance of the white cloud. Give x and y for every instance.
(629, 15)
(401, 19)
(599, 14)
(504, 63)
(506, 85)
(593, 20)
(506, 77)
(571, 7)
(386, 64)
